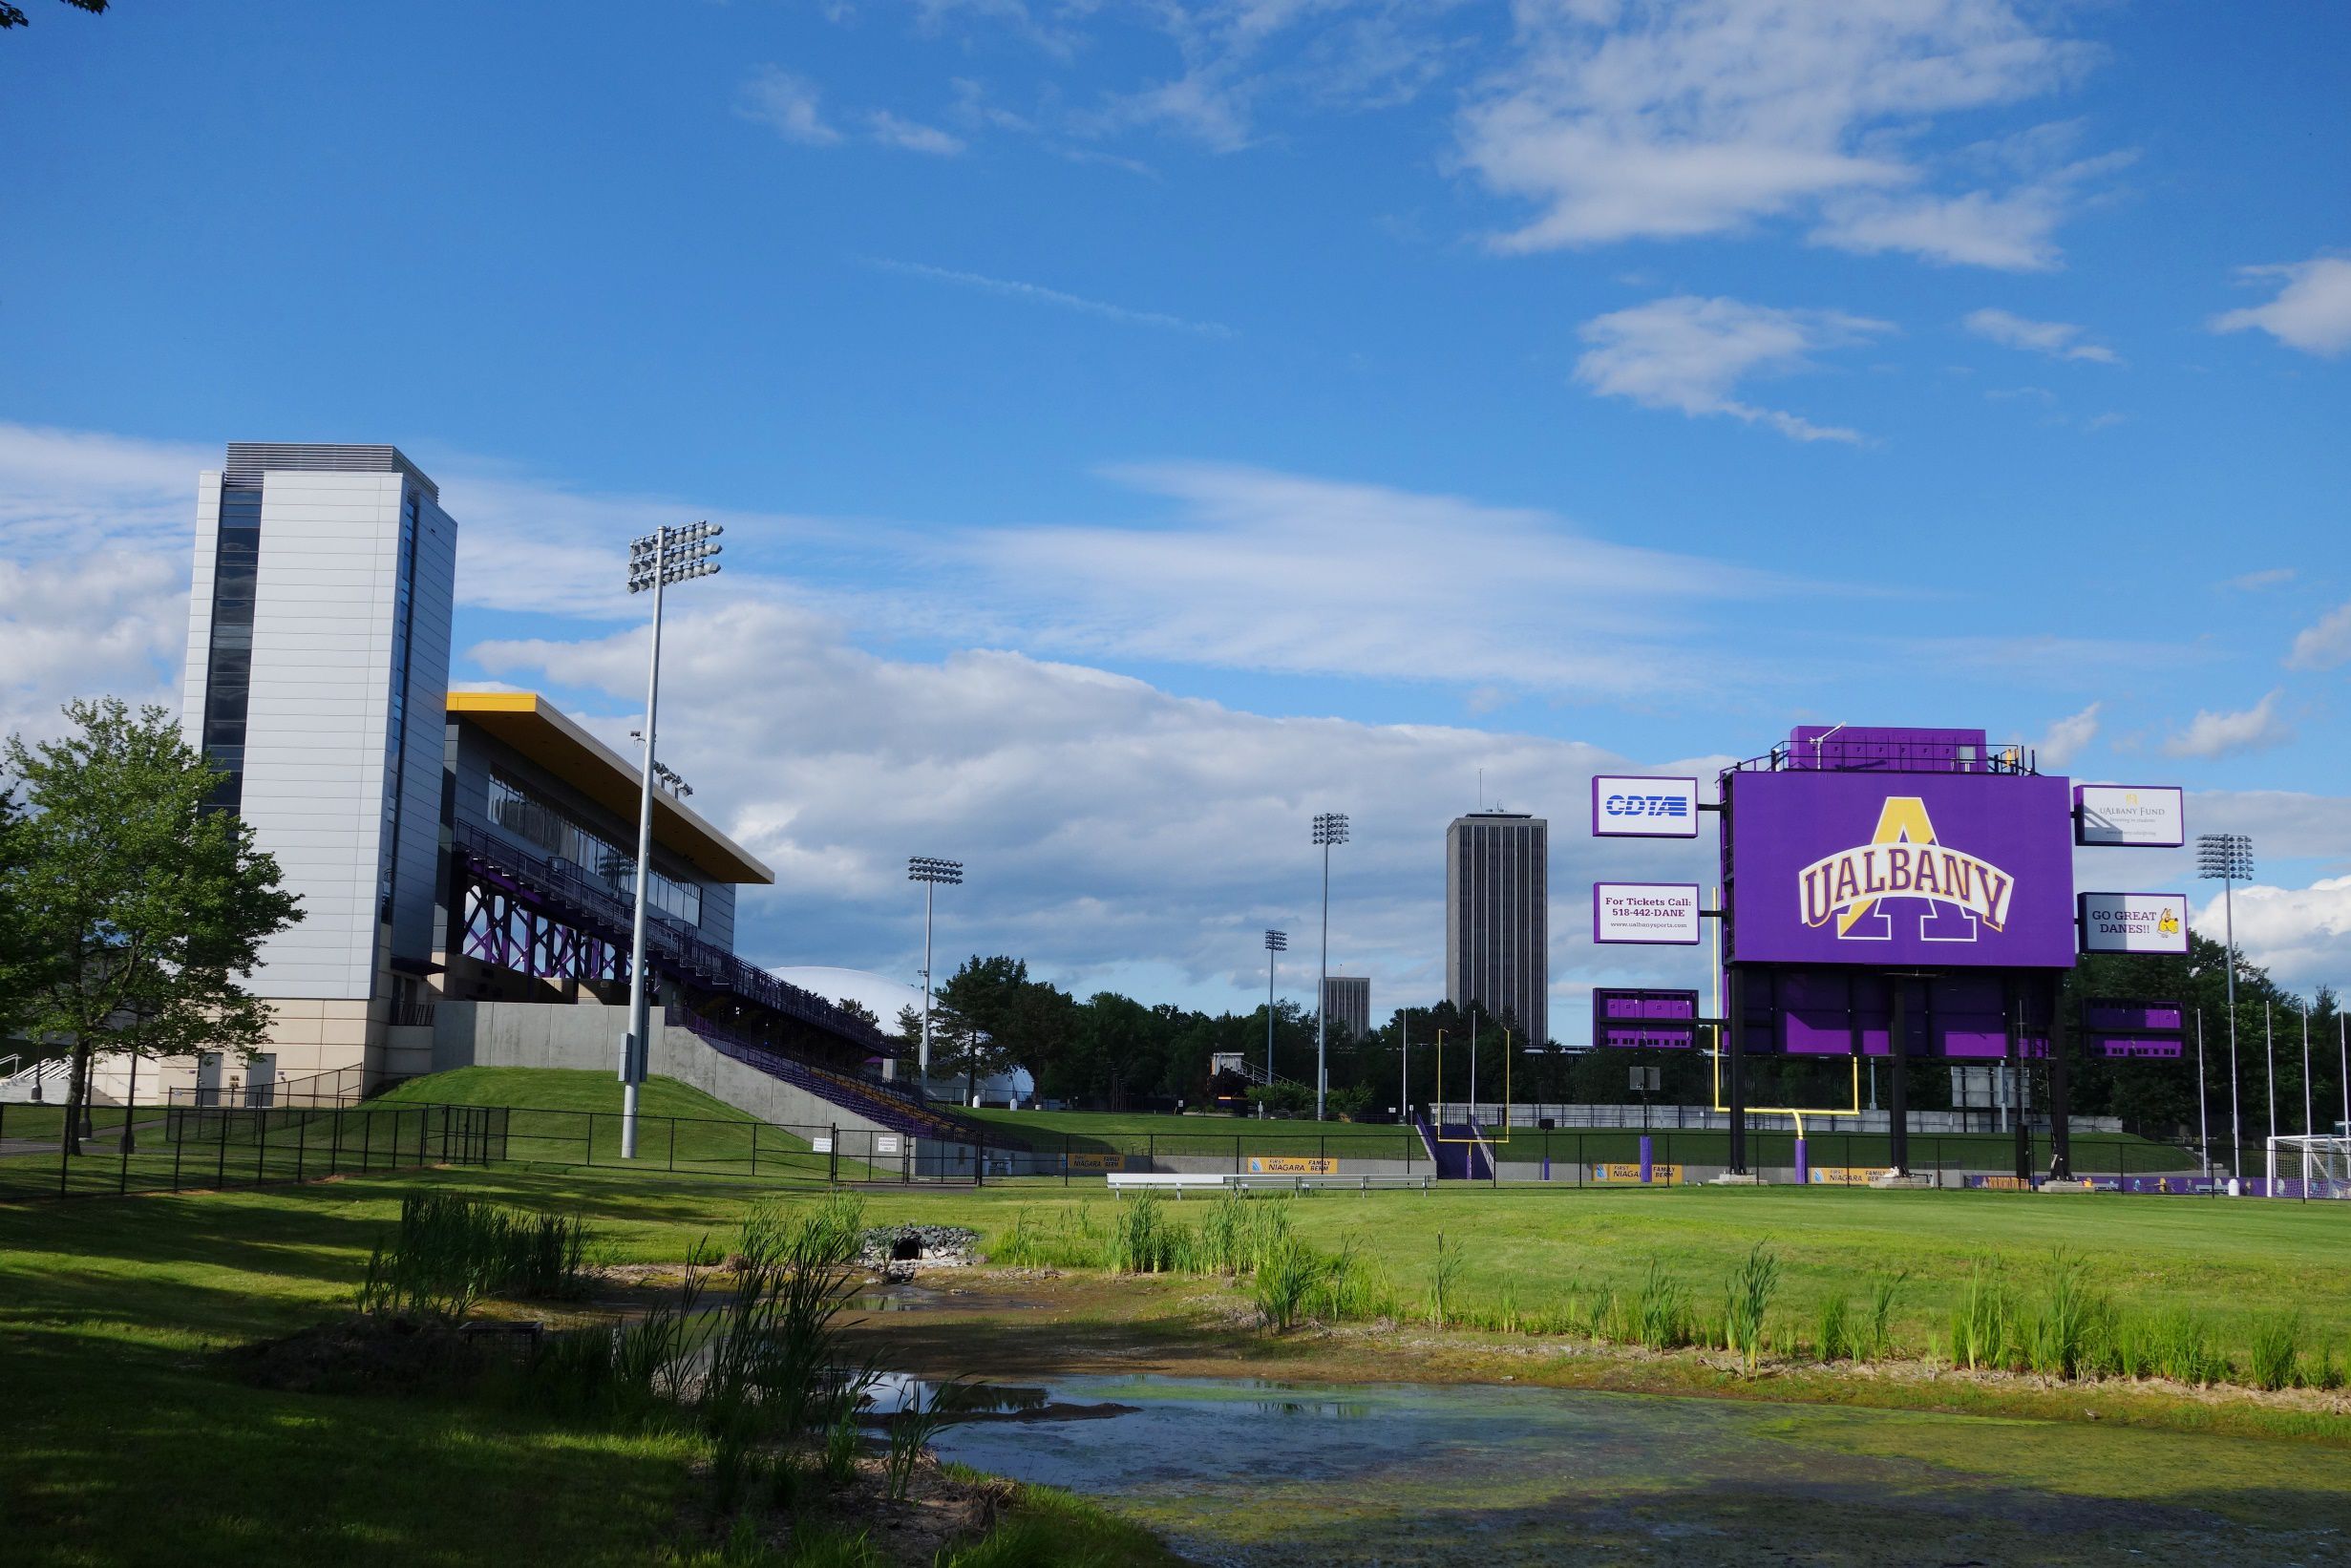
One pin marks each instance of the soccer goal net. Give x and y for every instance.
(2310, 1167)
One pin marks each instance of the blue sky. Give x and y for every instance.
(1139, 426)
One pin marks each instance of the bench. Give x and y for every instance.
(1127, 1181)
(1122, 1182)
(1332, 1183)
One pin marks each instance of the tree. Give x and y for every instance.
(20, 961)
(14, 16)
(148, 907)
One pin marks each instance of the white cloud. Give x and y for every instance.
(94, 553)
(790, 105)
(2312, 311)
(1645, 120)
(1039, 294)
(1107, 824)
(1688, 353)
(2066, 739)
(2060, 339)
(2283, 825)
(2212, 735)
(2325, 644)
(1262, 570)
(2300, 935)
(913, 137)
(2269, 577)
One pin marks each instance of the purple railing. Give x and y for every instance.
(670, 946)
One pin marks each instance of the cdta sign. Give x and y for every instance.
(1636, 806)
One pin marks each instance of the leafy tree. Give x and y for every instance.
(14, 16)
(20, 961)
(148, 907)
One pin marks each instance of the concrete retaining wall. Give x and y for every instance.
(539, 1034)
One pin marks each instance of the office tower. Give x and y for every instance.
(1346, 1001)
(318, 667)
(1497, 924)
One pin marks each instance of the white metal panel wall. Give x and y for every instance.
(315, 730)
(199, 608)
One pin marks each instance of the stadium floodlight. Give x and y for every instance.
(930, 871)
(2227, 857)
(665, 555)
(1275, 942)
(1329, 828)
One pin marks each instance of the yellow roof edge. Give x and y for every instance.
(739, 867)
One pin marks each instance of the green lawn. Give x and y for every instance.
(127, 1444)
(1138, 1133)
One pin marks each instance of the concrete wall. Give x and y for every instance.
(588, 1035)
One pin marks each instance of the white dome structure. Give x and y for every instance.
(883, 997)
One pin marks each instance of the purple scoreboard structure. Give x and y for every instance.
(1897, 893)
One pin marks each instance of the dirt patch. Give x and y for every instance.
(381, 1355)
(940, 1509)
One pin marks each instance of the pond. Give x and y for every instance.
(1238, 1471)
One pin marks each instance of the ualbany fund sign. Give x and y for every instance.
(1928, 869)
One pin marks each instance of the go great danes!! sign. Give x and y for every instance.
(1935, 869)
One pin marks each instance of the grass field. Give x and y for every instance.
(1130, 1132)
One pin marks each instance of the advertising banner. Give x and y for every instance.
(1292, 1165)
(2130, 815)
(1645, 912)
(1932, 870)
(2135, 922)
(2102, 1016)
(1629, 806)
(1643, 1020)
(1669, 1176)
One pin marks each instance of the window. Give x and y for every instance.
(535, 820)
(228, 665)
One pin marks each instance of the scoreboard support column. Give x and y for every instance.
(2061, 1133)
(2016, 1068)
(1897, 1070)
(1735, 1070)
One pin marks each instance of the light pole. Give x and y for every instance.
(930, 871)
(2269, 1053)
(1275, 942)
(1404, 1073)
(665, 555)
(2227, 857)
(1329, 828)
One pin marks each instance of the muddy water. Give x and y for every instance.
(1238, 1471)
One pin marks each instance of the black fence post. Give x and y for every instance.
(673, 1142)
(591, 1141)
(122, 1177)
(220, 1178)
(334, 1145)
(261, 1145)
(1065, 1159)
(754, 1148)
(367, 1140)
(833, 1156)
(178, 1147)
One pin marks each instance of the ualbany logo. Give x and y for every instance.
(2169, 923)
(1902, 861)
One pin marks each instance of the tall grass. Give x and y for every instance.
(1444, 1283)
(2055, 1336)
(1746, 1301)
(450, 1249)
(1662, 1317)
(1144, 1241)
(2184, 1350)
(1982, 1321)
(1286, 1276)
(1837, 1333)
(2276, 1349)
(1885, 1292)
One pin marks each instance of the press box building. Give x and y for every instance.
(466, 860)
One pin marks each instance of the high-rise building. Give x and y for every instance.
(1497, 921)
(1346, 1001)
(317, 671)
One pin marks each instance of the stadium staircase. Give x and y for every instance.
(1458, 1150)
